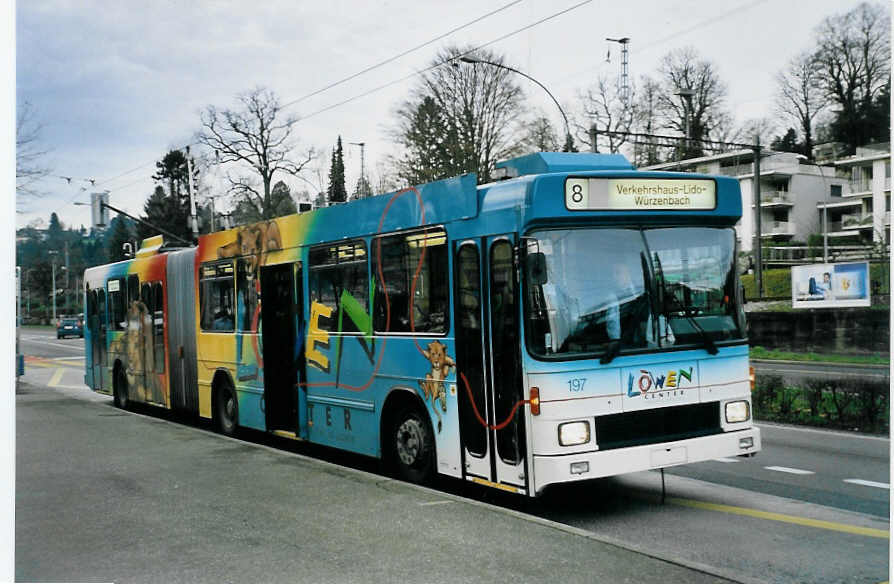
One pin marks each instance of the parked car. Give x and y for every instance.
(69, 326)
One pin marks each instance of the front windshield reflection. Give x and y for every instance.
(599, 293)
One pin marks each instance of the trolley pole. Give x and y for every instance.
(756, 194)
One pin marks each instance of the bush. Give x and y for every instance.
(843, 404)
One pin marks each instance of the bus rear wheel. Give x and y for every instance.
(226, 410)
(120, 389)
(412, 446)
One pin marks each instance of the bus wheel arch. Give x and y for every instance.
(119, 385)
(407, 437)
(224, 403)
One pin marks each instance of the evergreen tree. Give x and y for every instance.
(170, 212)
(247, 211)
(55, 233)
(363, 189)
(119, 234)
(167, 213)
(337, 193)
(787, 143)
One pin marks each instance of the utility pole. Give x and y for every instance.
(756, 194)
(362, 145)
(625, 86)
(192, 201)
(53, 283)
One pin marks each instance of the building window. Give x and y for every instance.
(835, 190)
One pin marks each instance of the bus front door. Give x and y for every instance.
(283, 362)
(488, 361)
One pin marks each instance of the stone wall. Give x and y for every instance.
(844, 331)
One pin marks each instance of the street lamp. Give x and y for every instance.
(362, 145)
(569, 141)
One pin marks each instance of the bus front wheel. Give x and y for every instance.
(412, 446)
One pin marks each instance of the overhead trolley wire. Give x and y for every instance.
(399, 55)
(446, 61)
(389, 84)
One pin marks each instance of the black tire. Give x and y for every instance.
(226, 410)
(58, 336)
(120, 389)
(412, 445)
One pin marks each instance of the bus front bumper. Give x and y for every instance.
(550, 470)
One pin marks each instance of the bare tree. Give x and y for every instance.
(799, 95)
(474, 107)
(256, 137)
(646, 121)
(854, 57)
(690, 85)
(603, 106)
(540, 135)
(29, 153)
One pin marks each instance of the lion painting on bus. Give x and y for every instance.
(136, 347)
(433, 386)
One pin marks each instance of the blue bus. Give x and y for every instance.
(576, 319)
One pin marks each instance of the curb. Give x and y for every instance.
(884, 366)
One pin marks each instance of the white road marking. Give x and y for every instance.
(52, 344)
(727, 460)
(67, 359)
(796, 471)
(429, 503)
(868, 483)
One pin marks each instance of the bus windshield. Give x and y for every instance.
(595, 292)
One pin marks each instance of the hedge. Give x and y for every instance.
(829, 403)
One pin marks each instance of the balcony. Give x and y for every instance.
(772, 228)
(861, 186)
(776, 199)
(851, 222)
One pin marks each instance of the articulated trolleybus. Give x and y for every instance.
(578, 319)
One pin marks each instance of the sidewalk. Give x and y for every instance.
(104, 495)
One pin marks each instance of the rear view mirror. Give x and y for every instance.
(535, 266)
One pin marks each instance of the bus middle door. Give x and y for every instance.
(489, 360)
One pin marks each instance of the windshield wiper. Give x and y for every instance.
(706, 338)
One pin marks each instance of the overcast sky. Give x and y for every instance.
(117, 84)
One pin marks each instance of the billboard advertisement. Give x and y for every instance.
(830, 285)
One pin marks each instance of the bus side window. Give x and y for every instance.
(216, 298)
(337, 275)
(133, 289)
(101, 317)
(158, 326)
(411, 265)
(117, 313)
(246, 297)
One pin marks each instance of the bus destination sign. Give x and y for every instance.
(639, 194)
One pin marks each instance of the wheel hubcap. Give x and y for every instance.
(409, 441)
(230, 408)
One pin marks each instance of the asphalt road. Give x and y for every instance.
(111, 495)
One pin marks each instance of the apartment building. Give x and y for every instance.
(863, 207)
(791, 192)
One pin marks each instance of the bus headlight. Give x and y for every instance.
(574, 433)
(737, 411)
